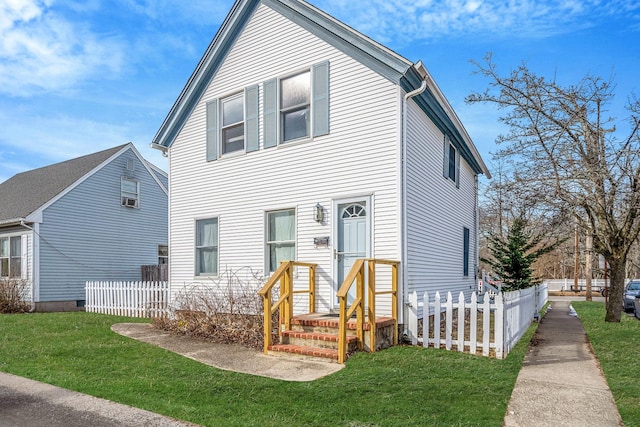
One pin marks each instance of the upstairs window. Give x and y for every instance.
(11, 256)
(129, 193)
(295, 107)
(451, 165)
(207, 247)
(232, 124)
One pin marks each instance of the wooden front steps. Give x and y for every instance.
(316, 335)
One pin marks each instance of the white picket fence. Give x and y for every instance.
(132, 299)
(510, 313)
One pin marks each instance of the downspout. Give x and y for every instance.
(419, 67)
(476, 225)
(35, 236)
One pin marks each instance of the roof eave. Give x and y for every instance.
(436, 106)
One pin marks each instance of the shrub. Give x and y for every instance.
(13, 295)
(228, 310)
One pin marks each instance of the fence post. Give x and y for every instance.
(461, 316)
(426, 313)
(473, 324)
(499, 326)
(449, 321)
(436, 321)
(413, 317)
(486, 323)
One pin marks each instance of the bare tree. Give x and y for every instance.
(572, 159)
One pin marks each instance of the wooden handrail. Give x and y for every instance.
(284, 276)
(357, 274)
(348, 281)
(275, 278)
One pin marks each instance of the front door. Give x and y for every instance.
(353, 239)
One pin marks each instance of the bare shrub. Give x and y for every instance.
(228, 310)
(13, 295)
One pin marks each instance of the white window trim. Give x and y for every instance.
(267, 242)
(280, 110)
(221, 141)
(196, 247)
(126, 196)
(9, 258)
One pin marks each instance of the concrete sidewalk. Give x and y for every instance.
(560, 383)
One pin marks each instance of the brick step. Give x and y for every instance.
(317, 339)
(320, 323)
(323, 353)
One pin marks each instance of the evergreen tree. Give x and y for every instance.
(513, 256)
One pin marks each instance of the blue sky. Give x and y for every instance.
(79, 76)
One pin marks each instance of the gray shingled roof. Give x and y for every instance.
(27, 191)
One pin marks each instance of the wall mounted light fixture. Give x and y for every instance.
(318, 213)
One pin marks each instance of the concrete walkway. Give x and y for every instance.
(236, 358)
(560, 383)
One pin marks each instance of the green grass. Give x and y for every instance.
(399, 386)
(617, 347)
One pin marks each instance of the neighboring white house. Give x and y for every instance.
(96, 217)
(291, 115)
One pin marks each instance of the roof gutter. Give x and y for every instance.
(12, 221)
(422, 72)
(160, 147)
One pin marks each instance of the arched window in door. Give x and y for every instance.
(355, 210)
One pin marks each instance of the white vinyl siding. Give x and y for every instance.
(437, 212)
(357, 158)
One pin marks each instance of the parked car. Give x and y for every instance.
(630, 291)
(636, 306)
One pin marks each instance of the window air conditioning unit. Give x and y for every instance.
(129, 202)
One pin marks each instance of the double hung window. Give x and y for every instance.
(465, 252)
(130, 193)
(281, 237)
(451, 165)
(295, 106)
(163, 254)
(232, 124)
(207, 247)
(11, 256)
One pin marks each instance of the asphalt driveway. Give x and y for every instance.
(28, 403)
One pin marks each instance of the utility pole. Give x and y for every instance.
(576, 260)
(588, 262)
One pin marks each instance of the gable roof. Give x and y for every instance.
(26, 192)
(379, 58)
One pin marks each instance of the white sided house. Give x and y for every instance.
(96, 217)
(298, 138)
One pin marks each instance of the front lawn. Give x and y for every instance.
(617, 347)
(399, 386)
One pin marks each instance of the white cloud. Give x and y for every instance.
(425, 20)
(40, 51)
